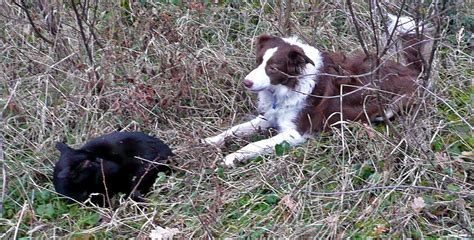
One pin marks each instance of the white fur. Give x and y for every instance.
(278, 104)
(288, 102)
(259, 76)
(388, 112)
(405, 24)
(264, 146)
(241, 130)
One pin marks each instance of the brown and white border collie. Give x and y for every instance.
(302, 91)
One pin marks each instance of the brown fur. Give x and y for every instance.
(288, 60)
(341, 74)
(321, 112)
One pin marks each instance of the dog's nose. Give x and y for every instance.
(247, 83)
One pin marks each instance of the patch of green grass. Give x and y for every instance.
(458, 136)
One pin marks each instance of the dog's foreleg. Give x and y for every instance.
(264, 146)
(240, 130)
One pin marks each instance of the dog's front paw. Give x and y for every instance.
(231, 159)
(216, 141)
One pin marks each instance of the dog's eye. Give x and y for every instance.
(273, 69)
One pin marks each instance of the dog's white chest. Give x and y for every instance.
(281, 118)
(280, 110)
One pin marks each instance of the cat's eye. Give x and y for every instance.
(85, 164)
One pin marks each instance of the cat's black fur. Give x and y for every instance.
(78, 173)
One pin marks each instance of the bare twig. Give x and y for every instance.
(20, 218)
(204, 225)
(285, 16)
(91, 25)
(23, 7)
(105, 183)
(423, 188)
(82, 32)
(377, 72)
(388, 43)
(356, 25)
(434, 47)
(4, 170)
(137, 183)
(379, 54)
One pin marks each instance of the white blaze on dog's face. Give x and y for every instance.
(278, 64)
(258, 79)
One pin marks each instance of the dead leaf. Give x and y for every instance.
(370, 132)
(418, 204)
(367, 130)
(286, 201)
(332, 220)
(197, 6)
(163, 233)
(379, 229)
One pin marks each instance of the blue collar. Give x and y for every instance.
(274, 102)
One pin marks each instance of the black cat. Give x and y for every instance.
(108, 165)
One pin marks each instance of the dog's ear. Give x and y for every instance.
(297, 60)
(261, 40)
(62, 147)
(297, 57)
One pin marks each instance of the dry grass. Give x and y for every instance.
(174, 71)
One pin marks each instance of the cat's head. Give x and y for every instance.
(75, 172)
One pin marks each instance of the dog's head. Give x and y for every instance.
(279, 62)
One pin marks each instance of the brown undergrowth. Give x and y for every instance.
(72, 70)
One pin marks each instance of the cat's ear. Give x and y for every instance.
(62, 147)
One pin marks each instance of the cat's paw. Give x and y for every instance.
(138, 196)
